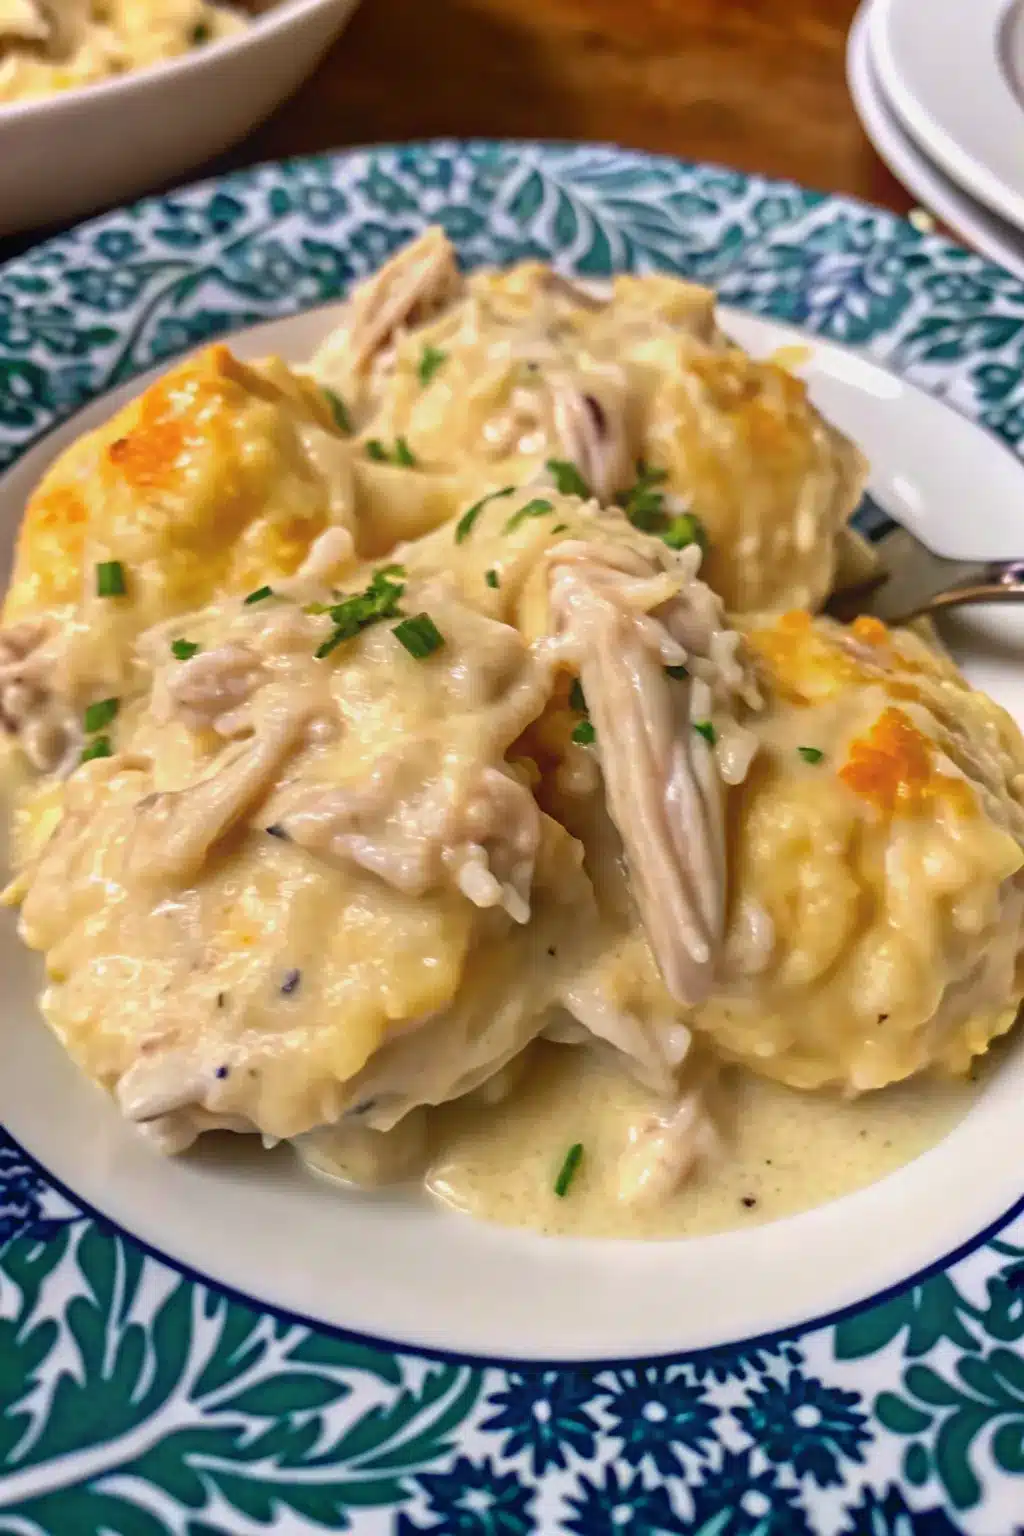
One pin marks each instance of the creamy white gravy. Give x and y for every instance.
(782, 1150)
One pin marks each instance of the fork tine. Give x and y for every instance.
(912, 580)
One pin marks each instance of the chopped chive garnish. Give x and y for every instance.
(258, 596)
(183, 650)
(110, 580)
(679, 673)
(567, 1173)
(536, 508)
(431, 360)
(491, 579)
(100, 714)
(585, 734)
(560, 528)
(330, 644)
(567, 478)
(339, 410)
(464, 526)
(420, 635)
(200, 34)
(354, 613)
(402, 454)
(811, 754)
(706, 729)
(684, 530)
(98, 747)
(644, 505)
(576, 696)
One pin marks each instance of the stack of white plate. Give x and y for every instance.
(939, 88)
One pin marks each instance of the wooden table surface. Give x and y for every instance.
(758, 84)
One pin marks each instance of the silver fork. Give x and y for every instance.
(914, 581)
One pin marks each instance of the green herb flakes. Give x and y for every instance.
(420, 636)
(568, 1170)
(576, 696)
(811, 754)
(98, 747)
(110, 580)
(678, 673)
(536, 508)
(644, 505)
(643, 502)
(567, 478)
(101, 714)
(361, 609)
(401, 454)
(464, 526)
(183, 650)
(259, 596)
(684, 530)
(431, 359)
(584, 734)
(491, 579)
(339, 411)
(706, 729)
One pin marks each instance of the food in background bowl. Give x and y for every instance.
(74, 137)
(56, 45)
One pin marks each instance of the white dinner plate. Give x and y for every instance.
(221, 1346)
(952, 70)
(972, 221)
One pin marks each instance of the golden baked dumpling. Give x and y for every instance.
(219, 478)
(630, 388)
(876, 885)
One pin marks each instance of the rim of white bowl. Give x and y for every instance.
(278, 19)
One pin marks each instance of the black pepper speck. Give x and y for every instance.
(291, 983)
(748, 1201)
(222, 998)
(276, 830)
(222, 1072)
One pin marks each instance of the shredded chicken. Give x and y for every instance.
(591, 428)
(206, 687)
(576, 294)
(407, 290)
(665, 793)
(43, 724)
(650, 1050)
(664, 1149)
(176, 829)
(412, 820)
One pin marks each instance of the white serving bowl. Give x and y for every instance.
(69, 154)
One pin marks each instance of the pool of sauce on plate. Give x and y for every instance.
(782, 1151)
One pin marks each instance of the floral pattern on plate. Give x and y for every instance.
(139, 1400)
